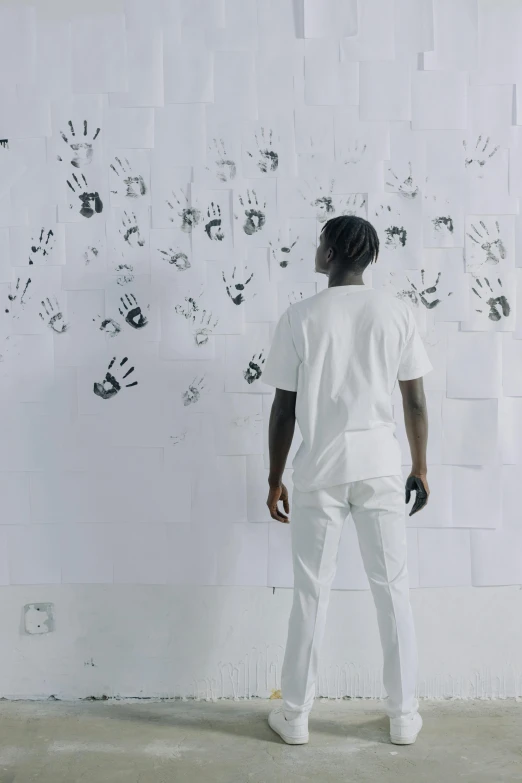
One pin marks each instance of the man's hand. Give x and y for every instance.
(275, 494)
(418, 483)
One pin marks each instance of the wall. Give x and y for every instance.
(136, 510)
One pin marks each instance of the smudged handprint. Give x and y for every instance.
(131, 311)
(492, 245)
(111, 385)
(4, 143)
(396, 236)
(176, 258)
(354, 153)
(266, 157)
(53, 316)
(193, 393)
(498, 305)
(213, 227)
(108, 325)
(407, 187)
(282, 253)
(41, 245)
(130, 230)
(236, 290)
(201, 320)
(255, 368)
(125, 275)
(83, 150)
(322, 200)
(190, 216)
(225, 167)
(135, 186)
(90, 202)
(295, 296)
(90, 254)
(415, 296)
(255, 217)
(476, 159)
(16, 299)
(354, 205)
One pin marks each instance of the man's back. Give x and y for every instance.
(342, 351)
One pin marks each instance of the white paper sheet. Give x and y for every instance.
(179, 134)
(245, 357)
(24, 117)
(438, 512)
(490, 244)
(188, 325)
(413, 25)
(228, 286)
(330, 18)
(495, 557)
(18, 42)
(510, 501)
(292, 253)
(268, 146)
(455, 36)
(385, 91)
(41, 244)
(238, 424)
(255, 213)
(234, 83)
(399, 223)
(470, 432)
(477, 497)
(443, 218)
(499, 29)
(129, 178)
(474, 365)
(444, 558)
(86, 254)
(511, 365)
(129, 128)
(314, 130)
(212, 234)
(128, 239)
(493, 302)
(105, 35)
(439, 100)
(172, 261)
(324, 85)
(276, 71)
(144, 69)
(261, 305)
(188, 72)
(375, 37)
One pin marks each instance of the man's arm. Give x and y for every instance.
(416, 421)
(280, 434)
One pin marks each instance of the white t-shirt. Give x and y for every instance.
(342, 351)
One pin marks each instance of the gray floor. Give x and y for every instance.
(141, 741)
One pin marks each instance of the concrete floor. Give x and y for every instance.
(231, 742)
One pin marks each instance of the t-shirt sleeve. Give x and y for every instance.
(414, 361)
(282, 363)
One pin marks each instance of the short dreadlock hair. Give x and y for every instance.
(353, 239)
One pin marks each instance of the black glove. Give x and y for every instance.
(414, 484)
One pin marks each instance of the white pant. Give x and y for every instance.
(317, 518)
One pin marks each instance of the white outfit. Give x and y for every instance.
(342, 351)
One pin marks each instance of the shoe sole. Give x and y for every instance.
(287, 739)
(404, 740)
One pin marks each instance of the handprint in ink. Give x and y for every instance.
(16, 299)
(354, 153)
(498, 305)
(83, 150)
(255, 216)
(415, 296)
(132, 312)
(90, 254)
(125, 273)
(42, 245)
(193, 393)
(236, 290)
(4, 143)
(203, 326)
(267, 159)
(354, 205)
(407, 187)
(396, 236)
(322, 200)
(134, 183)
(111, 385)
(52, 315)
(255, 368)
(492, 245)
(90, 201)
(475, 159)
(282, 253)
(213, 226)
(130, 230)
(190, 216)
(176, 258)
(108, 325)
(224, 166)
(295, 296)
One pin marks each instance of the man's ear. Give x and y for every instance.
(329, 255)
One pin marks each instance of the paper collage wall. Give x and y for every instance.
(164, 174)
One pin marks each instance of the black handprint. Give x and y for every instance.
(495, 303)
(17, 298)
(190, 216)
(405, 188)
(480, 155)
(111, 386)
(213, 226)
(89, 254)
(53, 316)
(86, 198)
(4, 143)
(415, 295)
(126, 274)
(323, 202)
(236, 294)
(354, 153)
(281, 253)
(193, 392)
(135, 184)
(44, 247)
(395, 236)
(268, 158)
(203, 327)
(84, 150)
(109, 326)
(226, 168)
(130, 230)
(255, 368)
(443, 223)
(255, 218)
(493, 247)
(132, 312)
(176, 258)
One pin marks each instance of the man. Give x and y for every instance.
(335, 360)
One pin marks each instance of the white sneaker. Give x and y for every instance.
(293, 732)
(404, 730)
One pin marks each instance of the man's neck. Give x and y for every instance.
(344, 279)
